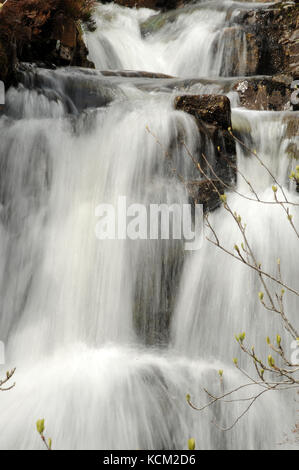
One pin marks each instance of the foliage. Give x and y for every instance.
(5, 381)
(40, 427)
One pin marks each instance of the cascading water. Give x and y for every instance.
(109, 336)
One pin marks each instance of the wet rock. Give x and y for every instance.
(62, 45)
(217, 152)
(265, 93)
(158, 21)
(275, 31)
(76, 88)
(212, 109)
(292, 129)
(4, 63)
(206, 192)
(43, 32)
(236, 40)
(133, 74)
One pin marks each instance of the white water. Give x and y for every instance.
(87, 323)
(184, 46)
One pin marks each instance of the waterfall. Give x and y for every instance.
(109, 336)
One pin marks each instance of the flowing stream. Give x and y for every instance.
(108, 337)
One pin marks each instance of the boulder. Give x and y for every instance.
(212, 109)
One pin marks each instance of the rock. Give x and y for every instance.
(213, 117)
(206, 192)
(292, 129)
(292, 133)
(275, 32)
(133, 74)
(76, 88)
(40, 32)
(158, 21)
(4, 63)
(212, 109)
(266, 93)
(236, 63)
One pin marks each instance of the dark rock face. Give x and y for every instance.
(212, 109)
(62, 45)
(235, 38)
(275, 30)
(206, 192)
(268, 93)
(213, 117)
(39, 32)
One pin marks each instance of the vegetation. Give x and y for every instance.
(40, 426)
(4, 386)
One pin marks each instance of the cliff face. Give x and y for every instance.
(43, 32)
(274, 35)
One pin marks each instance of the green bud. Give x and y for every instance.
(261, 295)
(188, 398)
(278, 339)
(235, 361)
(40, 426)
(268, 340)
(223, 198)
(274, 189)
(50, 443)
(191, 444)
(242, 337)
(271, 361)
(220, 372)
